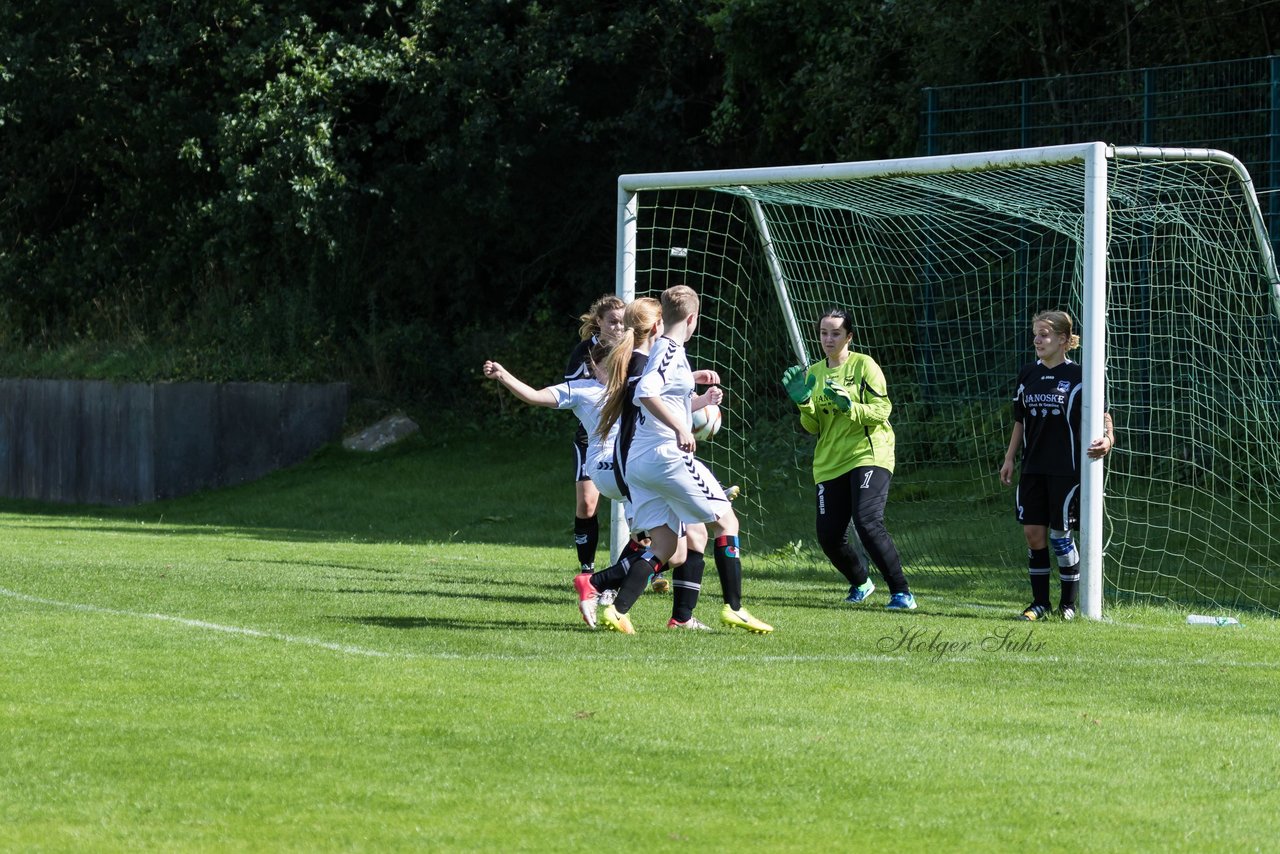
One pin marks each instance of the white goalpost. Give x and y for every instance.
(1162, 256)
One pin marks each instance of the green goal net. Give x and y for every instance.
(942, 262)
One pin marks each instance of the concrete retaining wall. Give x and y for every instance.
(124, 443)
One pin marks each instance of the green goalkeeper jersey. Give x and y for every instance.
(860, 437)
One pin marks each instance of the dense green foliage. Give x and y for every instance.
(381, 192)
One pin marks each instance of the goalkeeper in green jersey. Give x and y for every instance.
(843, 400)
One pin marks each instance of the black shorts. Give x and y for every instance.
(580, 455)
(1048, 499)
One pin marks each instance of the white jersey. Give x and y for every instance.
(668, 377)
(585, 397)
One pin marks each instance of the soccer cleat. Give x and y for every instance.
(733, 492)
(658, 583)
(901, 602)
(860, 592)
(692, 623)
(742, 619)
(606, 597)
(1067, 612)
(618, 622)
(1035, 612)
(587, 598)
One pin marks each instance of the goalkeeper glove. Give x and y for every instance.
(799, 386)
(837, 396)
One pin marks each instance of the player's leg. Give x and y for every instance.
(600, 588)
(650, 513)
(586, 526)
(1066, 503)
(834, 512)
(1037, 571)
(1032, 504)
(663, 544)
(694, 495)
(728, 559)
(687, 580)
(595, 589)
(611, 577)
(658, 581)
(869, 494)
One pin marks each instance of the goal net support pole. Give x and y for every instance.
(1095, 361)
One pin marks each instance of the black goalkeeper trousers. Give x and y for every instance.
(859, 496)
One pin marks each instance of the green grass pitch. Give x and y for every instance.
(383, 653)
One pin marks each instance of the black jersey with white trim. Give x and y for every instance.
(1047, 403)
(577, 368)
(630, 416)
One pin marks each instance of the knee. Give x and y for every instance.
(832, 538)
(1064, 547)
(869, 524)
(697, 537)
(681, 553)
(726, 525)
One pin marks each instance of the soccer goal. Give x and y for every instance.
(1160, 254)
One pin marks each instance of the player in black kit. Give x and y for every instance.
(602, 324)
(1046, 429)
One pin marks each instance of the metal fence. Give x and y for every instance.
(1233, 106)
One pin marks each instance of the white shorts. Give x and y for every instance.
(602, 475)
(672, 488)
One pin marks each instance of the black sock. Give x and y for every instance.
(611, 577)
(686, 584)
(1038, 571)
(631, 549)
(729, 567)
(634, 584)
(1070, 576)
(586, 536)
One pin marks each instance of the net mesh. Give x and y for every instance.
(942, 274)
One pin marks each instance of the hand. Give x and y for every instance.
(1006, 473)
(706, 377)
(715, 394)
(799, 386)
(493, 370)
(685, 441)
(837, 395)
(1099, 448)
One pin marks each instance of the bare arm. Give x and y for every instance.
(522, 390)
(1015, 442)
(1102, 446)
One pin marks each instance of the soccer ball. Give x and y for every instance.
(706, 422)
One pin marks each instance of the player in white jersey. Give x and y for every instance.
(625, 365)
(584, 398)
(669, 486)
